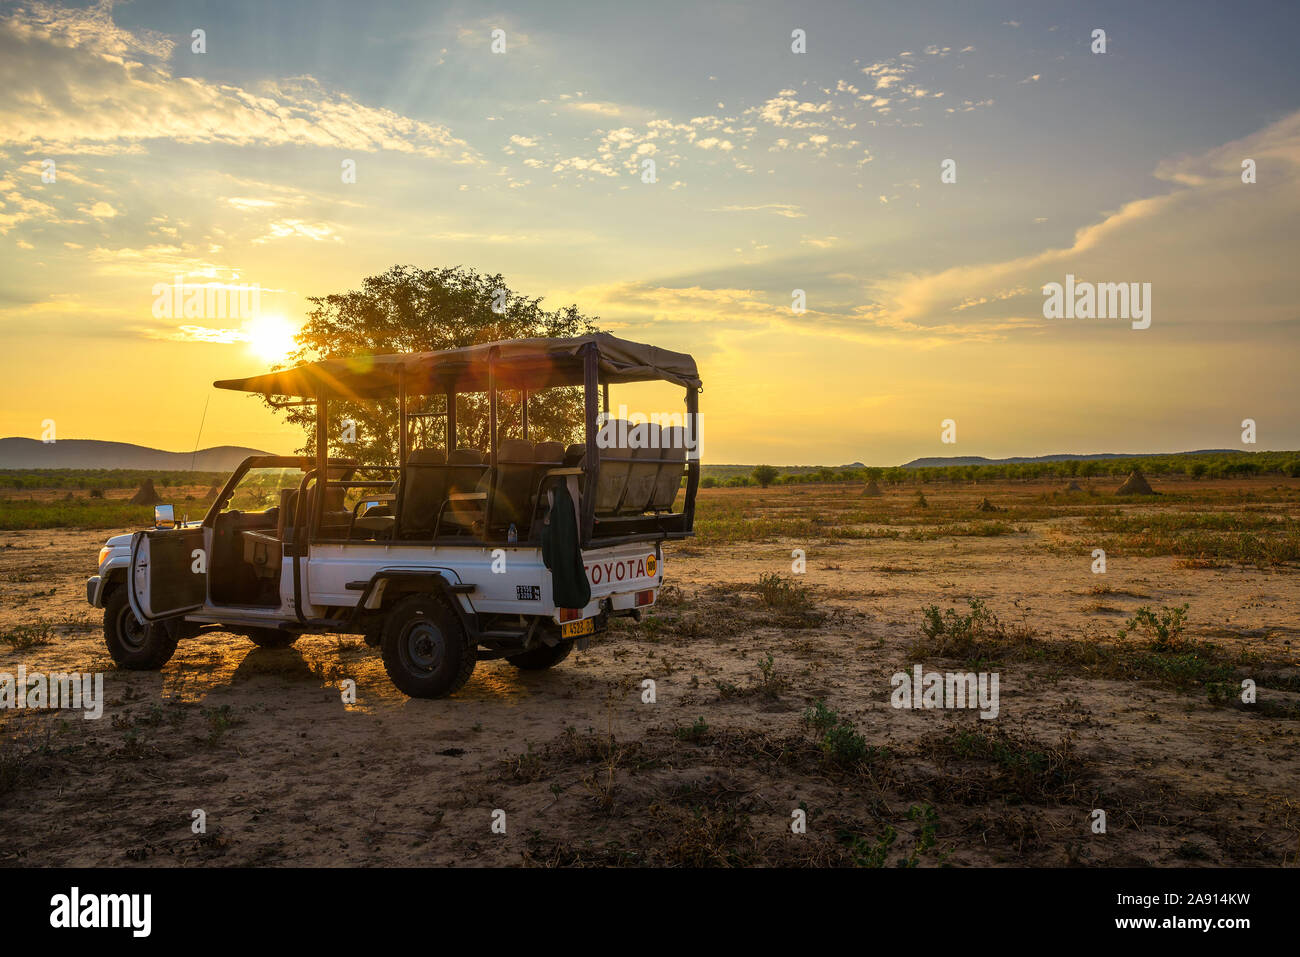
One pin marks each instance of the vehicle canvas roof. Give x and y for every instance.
(520, 364)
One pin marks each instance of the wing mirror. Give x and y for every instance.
(164, 516)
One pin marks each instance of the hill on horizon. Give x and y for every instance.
(22, 453)
(939, 461)
(722, 470)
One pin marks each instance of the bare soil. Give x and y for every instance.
(711, 773)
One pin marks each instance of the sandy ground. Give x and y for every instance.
(587, 772)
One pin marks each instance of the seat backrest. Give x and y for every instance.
(463, 478)
(553, 455)
(669, 479)
(550, 454)
(513, 489)
(611, 479)
(645, 441)
(334, 503)
(424, 486)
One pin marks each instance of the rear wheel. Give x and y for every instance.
(425, 649)
(270, 637)
(541, 657)
(133, 644)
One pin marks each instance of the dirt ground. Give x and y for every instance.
(713, 770)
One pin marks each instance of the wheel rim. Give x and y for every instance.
(131, 630)
(423, 647)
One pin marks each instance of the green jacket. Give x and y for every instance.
(562, 554)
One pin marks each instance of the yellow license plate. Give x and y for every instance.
(576, 629)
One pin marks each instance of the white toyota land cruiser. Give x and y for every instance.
(445, 559)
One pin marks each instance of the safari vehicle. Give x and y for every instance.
(438, 560)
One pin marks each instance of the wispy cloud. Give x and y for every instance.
(780, 209)
(74, 81)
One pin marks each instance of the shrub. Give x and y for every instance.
(1165, 629)
(978, 634)
(838, 738)
(783, 594)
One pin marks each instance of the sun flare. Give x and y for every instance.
(270, 337)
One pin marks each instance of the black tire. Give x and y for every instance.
(425, 649)
(134, 645)
(541, 657)
(270, 637)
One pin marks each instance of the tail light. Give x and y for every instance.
(646, 597)
(569, 614)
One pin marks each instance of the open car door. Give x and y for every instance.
(168, 573)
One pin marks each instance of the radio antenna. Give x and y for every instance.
(195, 456)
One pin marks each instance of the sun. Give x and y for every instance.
(270, 337)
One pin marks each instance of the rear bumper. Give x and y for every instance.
(94, 585)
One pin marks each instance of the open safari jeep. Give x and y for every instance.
(453, 555)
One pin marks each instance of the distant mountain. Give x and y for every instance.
(19, 453)
(941, 461)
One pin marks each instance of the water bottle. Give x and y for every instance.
(512, 536)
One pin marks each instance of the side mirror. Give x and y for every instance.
(164, 516)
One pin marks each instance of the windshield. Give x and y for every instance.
(260, 489)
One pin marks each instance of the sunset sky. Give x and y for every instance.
(776, 171)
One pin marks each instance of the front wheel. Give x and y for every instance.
(425, 649)
(541, 657)
(133, 644)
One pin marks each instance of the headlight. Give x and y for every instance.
(103, 554)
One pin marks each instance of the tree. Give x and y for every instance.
(422, 310)
(764, 475)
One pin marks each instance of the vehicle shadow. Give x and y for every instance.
(287, 663)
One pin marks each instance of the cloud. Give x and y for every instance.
(583, 164)
(644, 302)
(1210, 249)
(592, 106)
(887, 74)
(190, 333)
(781, 209)
(242, 202)
(99, 210)
(16, 208)
(787, 111)
(76, 82)
(92, 26)
(298, 229)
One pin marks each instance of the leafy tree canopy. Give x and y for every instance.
(420, 310)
